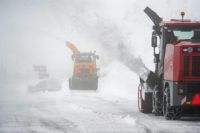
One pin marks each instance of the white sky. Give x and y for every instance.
(34, 32)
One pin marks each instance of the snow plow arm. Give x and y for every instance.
(150, 78)
(154, 18)
(72, 47)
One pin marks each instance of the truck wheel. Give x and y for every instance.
(70, 83)
(144, 100)
(95, 86)
(170, 112)
(93, 83)
(157, 103)
(73, 83)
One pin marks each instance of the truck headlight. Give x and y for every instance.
(198, 49)
(189, 49)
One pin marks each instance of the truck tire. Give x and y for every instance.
(144, 100)
(70, 83)
(157, 103)
(170, 112)
(92, 83)
(95, 84)
(74, 83)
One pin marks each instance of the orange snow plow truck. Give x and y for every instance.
(173, 90)
(85, 71)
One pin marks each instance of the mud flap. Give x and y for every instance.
(144, 100)
(147, 104)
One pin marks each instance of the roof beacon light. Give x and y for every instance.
(182, 15)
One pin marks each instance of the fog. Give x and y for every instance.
(34, 32)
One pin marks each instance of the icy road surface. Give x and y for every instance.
(67, 111)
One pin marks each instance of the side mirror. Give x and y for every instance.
(154, 39)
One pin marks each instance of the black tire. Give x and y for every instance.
(74, 84)
(95, 83)
(170, 112)
(70, 83)
(157, 103)
(92, 83)
(144, 103)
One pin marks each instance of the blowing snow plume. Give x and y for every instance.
(112, 39)
(108, 34)
(117, 44)
(136, 64)
(114, 43)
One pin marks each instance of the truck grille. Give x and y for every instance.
(196, 66)
(85, 71)
(186, 65)
(191, 88)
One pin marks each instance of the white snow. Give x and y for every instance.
(82, 111)
(45, 85)
(34, 32)
(117, 80)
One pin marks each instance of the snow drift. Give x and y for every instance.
(46, 85)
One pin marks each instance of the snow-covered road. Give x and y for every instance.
(80, 112)
(34, 32)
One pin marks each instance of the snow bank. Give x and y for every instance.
(46, 85)
(50, 90)
(129, 120)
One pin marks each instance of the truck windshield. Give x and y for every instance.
(182, 35)
(187, 34)
(85, 59)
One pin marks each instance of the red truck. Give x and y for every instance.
(173, 89)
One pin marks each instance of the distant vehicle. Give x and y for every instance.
(173, 90)
(85, 70)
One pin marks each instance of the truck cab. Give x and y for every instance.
(85, 64)
(173, 33)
